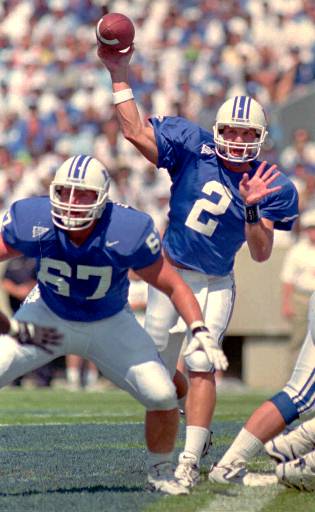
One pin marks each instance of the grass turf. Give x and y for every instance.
(84, 452)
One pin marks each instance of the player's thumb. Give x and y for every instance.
(192, 346)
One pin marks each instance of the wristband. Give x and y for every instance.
(122, 96)
(198, 326)
(252, 213)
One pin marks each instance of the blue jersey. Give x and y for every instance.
(88, 282)
(206, 218)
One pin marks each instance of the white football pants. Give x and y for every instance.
(216, 296)
(119, 347)
(301, 386)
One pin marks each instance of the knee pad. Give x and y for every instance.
(163, 398)
(285, 406)
(152, 385)
(198, 362)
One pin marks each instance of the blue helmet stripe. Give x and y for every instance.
(77, 170)
(85, 167)
(234, 107)
(71, 166)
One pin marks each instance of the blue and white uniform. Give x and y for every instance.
(297, 398)
(206, 225)
(83, 291)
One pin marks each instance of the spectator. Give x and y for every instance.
(298, 284)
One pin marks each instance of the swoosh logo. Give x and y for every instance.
(110, 244)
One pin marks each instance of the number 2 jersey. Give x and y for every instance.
(88, 282)
(206, 218)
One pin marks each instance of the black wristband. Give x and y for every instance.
(201, 328)
(252, 213)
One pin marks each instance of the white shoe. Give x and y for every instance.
(161, 478)
(187, 472)
(297, 473)
(239, 474)
(290, 445)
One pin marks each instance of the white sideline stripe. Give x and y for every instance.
(248, 499)
(53, 423)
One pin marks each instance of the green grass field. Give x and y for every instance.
(64, 452)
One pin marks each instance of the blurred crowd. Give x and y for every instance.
(55, 96)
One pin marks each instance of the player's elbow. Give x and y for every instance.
(261, 256)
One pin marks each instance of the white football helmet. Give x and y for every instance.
(78, 172)
(240, 112)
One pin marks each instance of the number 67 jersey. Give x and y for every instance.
(88, 282)
(206, 217)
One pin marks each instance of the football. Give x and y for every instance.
(115, 30)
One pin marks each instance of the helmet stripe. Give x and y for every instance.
(89, 158)
(78, 166)
(234, 107)
(241, 107)
(71, 166)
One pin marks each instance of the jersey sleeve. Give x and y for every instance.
(16, 230)
(148, 249)
(176, 139)
(282, 207)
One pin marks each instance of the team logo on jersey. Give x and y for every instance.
(206, 150)
(33, 296)
(39, 231)
(110, 244)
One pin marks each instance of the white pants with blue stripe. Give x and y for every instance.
(119, 347)
(301, 386)
(216, 296)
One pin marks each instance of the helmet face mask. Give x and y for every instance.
(78, 193)
(240, 112)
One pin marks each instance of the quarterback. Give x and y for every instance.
(84, 245)
(221, 197)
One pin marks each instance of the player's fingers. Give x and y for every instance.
(52, 333)
(274, 189)
(244, 179)
(46, 349)
(269, 172)
(192, 346)
(272, 178)
(261, 168)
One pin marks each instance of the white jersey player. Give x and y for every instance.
(295, 401)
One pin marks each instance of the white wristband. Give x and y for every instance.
(14, 327)
(121, 96)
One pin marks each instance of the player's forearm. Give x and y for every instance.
(129, 119)
(186, 304)
(259, 240)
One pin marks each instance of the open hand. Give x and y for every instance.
(254, 189)
(45, 338)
